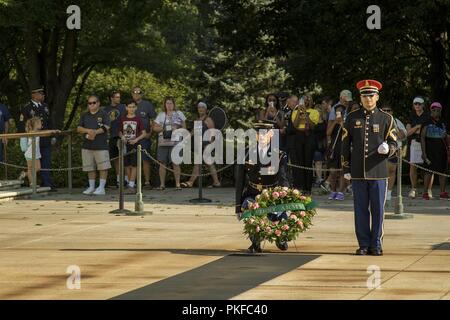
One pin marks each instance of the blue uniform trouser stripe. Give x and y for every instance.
(369, 198)
(46, 163)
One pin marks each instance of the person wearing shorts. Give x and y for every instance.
(336, 179)
(418, 118)
(131, 131)
(94, 125)
(166, 122)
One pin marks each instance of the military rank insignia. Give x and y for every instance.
(376, 128)
(393, 134)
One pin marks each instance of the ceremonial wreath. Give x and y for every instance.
(299, 211)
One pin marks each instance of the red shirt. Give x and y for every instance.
(131, 128)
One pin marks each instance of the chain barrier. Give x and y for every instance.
(182, 173)
(312, 169)
(64, 169)
(425, 169)
(208, 174)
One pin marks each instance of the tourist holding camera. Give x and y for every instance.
(304, 119)
(165, 123)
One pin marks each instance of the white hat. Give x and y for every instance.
(418, 100)
(202, 105)
(346, 94)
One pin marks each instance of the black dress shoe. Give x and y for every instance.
(283, 246)
(361, 252)
(375, 252)
(53, 189)
(255, 248)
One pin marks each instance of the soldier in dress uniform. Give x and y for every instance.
(368, 140)
(38, 108)
(250, 181)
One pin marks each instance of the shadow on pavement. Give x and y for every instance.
(221, 279)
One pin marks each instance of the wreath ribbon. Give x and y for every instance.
(293, 206)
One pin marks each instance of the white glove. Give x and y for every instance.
(347, 176)
(383, 148)
(53, 141)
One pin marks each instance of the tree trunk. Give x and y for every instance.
(80, 91)
(438, 74)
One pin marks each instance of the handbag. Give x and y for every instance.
(164, 139)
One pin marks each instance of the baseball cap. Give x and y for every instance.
(346, 94)
(436, 105)
(418, 100)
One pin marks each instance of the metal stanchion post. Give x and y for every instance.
(5, 160)
(120, 145)
(69, 162)
(33, 164)
(200, 198)
(398, 209)
(139, 204)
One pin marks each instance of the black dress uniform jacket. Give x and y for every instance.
(31, 110)
(362, 134)
(249, 181)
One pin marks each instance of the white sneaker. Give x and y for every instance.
(99, 192)
(412, 193)
(89, 190)
(389, 195)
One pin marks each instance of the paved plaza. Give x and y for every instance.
(187, 251)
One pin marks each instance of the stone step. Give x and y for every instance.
(6, 185)
(7, 195)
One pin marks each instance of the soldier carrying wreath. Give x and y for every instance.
(269, 211)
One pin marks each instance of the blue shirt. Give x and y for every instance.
(436, 130)
(332, 115)
(146, 111)
(4, 117)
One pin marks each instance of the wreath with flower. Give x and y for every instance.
(300, 211)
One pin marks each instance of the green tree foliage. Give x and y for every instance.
(235, 81)
(40, 49)
(327, 43)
